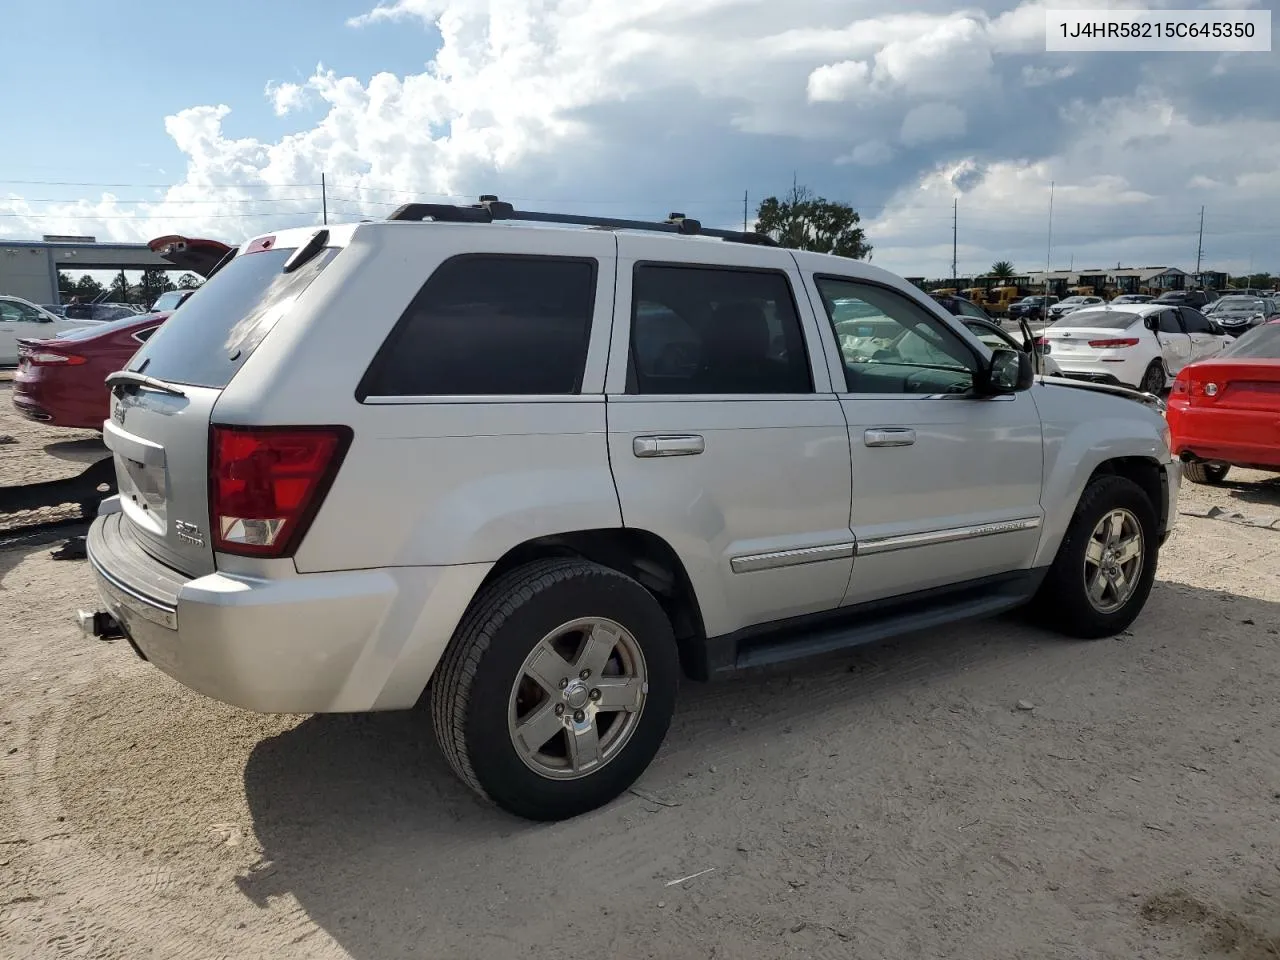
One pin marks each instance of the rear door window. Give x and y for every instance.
(1194, 321)
(1169, 322)
(210, 338)
(489, 325)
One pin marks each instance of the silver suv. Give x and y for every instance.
(530, 474)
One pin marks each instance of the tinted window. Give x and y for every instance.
(1260, 343)
(895, 345)
(207, 341)
(1097, 320)
(488, 325)
(1194, 321)
(709, 331)
(1169, 322)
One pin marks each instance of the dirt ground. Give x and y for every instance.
(894, 802)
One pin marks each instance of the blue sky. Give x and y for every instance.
(635, 108)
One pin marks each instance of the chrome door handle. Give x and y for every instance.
(889, 437)
(682, 446)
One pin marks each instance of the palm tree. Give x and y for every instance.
(1002, 270)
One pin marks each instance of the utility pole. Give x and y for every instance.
(1200, 247)
(324, 201)
(1048, 254)
(955, 226)
(744, 211)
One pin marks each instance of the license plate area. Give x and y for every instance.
(143, 493)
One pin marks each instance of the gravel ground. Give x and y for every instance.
(897, 801)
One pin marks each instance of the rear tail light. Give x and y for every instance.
(266, 484)
(1107, 344)
(47, 358)
(1042, 344)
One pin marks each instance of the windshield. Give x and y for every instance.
(211, 337)
(1260, 343)
(1096, 319)
(1239, 305)
(168, 301)
(1074, 300)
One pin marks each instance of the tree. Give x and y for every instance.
(153, 283)
(804, 221)
(66, 286)
(88, 289)
(1002, 270)
(189, 281)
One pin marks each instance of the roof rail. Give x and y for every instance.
(490, 208)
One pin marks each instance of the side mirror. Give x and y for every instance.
(1008, 372)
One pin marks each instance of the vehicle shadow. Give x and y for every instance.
(362, 822)
(1266, 492)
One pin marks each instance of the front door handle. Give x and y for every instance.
(681, 446)
(889, 437)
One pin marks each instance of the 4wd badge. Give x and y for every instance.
(188, 533)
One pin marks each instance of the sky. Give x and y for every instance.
(122, 123)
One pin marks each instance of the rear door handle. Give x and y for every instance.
(889, 437)
(675, 446)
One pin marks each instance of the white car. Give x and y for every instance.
(22, 318)
(552, 469)
(1071, 305)
(1141, 345)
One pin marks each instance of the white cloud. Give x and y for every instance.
(870, 154)
(932, 121)
(285, 97)
(629, 109)
(839, 81)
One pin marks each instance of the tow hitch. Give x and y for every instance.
(100, 624)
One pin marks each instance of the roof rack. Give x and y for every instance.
(490, 208)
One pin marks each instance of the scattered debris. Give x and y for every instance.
(6, 439)
(797, 927)
(73, 549)
(1025, 705)
(1156, 827)
(692, 876)
(1235, 516)
(652, 799)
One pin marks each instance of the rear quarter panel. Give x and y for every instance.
(1083, 429)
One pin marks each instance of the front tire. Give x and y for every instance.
(557, 688)
(1106, 563)
(1208, 473)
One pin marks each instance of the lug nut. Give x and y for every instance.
(584, 674)
(595, 694)
(579, 716)
(559, 709)
(564, 682)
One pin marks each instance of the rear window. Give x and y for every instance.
(488, 324)
(1097, 320)
(1260, 343)
(210, 338)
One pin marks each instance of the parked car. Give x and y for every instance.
(1132, 298)
(57, 309)
(99, 312)
(1140, 345)
(1030, 308)
(22, 318)
(61, 380)
(318, 515)
(1188, 298)
(1070, 305)
(1225, 412)
(1237, 315)
(170, 300)
(997, 338)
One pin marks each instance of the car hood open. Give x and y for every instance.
(1150, 399)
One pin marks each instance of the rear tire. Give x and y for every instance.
(1094, 589)
(1153, 380)
(557, 688)
(1208, 473)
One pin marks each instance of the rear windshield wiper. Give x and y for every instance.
(129, 378)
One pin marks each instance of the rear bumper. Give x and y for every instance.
(1117, 374)
(61, 398)
(307, 643)
(1238, 440)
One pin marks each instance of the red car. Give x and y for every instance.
(59, 381)
(1225, 411)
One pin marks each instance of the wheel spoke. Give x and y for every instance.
(584, 744)
(1119, 586)
(598, 647)
(1093, 552)
(1115, 529)
(1098, 586)
(549, 668)
(1129, 548)
(619, 693)
(539, 727)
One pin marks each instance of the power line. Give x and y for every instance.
(165, 200)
